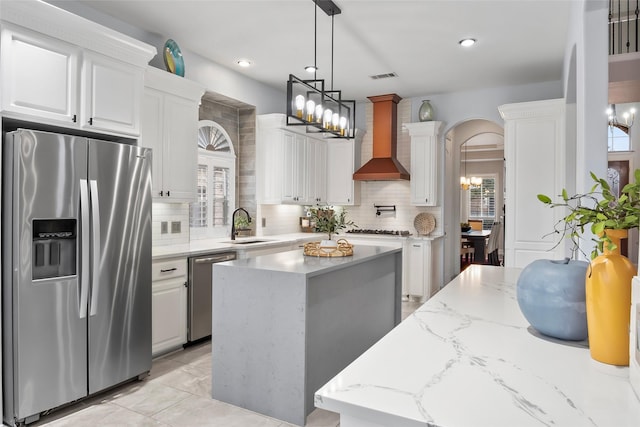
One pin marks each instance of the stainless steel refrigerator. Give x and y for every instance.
(76, 269)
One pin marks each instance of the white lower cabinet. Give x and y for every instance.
(422, 259)
(169, 305)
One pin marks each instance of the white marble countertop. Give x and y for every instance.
(467, 357)
(296, 262)
(202, 246)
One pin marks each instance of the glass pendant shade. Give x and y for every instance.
(319, 113)
(299, 105)
(343, 125)
(311, 108)
(326, 120)
(335, 121)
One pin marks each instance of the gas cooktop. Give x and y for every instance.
(385, 232)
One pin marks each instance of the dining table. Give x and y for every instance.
(478, 239)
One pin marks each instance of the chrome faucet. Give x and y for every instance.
(233, 221)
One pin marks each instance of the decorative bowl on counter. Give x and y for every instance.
(342, 248)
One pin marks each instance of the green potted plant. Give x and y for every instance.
(600, 209)
(242, 226)
(328, 221)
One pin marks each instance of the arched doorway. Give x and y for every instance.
(483, 143)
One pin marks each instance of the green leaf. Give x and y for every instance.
(544, 199)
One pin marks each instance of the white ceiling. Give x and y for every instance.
(519, 41)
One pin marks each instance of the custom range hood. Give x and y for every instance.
(383, 166)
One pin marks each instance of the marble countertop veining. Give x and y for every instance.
(467, 357)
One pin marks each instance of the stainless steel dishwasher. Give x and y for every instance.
(199, 293)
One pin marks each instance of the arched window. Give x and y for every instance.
(210, 214)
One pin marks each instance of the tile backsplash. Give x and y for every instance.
(170, 217)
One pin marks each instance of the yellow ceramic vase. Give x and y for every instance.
(608, 302)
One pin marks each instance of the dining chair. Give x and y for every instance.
(467, 251)
(494, 243)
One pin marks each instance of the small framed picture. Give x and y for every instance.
(634, 338)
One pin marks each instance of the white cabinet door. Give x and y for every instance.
(170, 127)
(294, 177)
(535, 163)
(181, 148)
(425, 162)
(169, 315)
(341, 188)
(151, 135)
(416, 269)
(111, 95)
(316, 166)
(39, 76)
(169, 305)
(422, 267)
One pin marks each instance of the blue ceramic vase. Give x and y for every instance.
(551, 295)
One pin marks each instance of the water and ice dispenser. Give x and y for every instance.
(54, 248)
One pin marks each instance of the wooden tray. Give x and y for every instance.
(344, 248)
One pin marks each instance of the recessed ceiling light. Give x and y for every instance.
(467, 42)
(311, 68)
(244, 62)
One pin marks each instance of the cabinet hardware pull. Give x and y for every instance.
(75, 118)
(161, 193)
(426, 200)
(168, 193)
(168, 270)
(185, 285)
(91, 121)
(416, 246)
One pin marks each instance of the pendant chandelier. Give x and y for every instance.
(627, 117)
(467, 183)
(310, 104)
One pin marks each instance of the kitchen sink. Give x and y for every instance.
(246, 242)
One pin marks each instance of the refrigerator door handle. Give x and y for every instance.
(84, 248)
(95, 233)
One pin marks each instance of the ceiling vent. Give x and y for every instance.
(383, 76)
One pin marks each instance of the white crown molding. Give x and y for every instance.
(431, 128)
(63, 25)
(534, 109)
(165, 81)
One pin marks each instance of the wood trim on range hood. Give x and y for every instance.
(383, 166)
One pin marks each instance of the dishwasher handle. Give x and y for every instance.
(215, 258)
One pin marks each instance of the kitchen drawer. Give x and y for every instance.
(168, 269)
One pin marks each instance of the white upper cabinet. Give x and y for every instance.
(425, 162)
(111, 95)
(60, 69)
(341, 163)
(294, 173)
(290, 166)
(317, 173)
(170, 128)
(39, 76)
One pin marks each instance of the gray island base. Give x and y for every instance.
(285, 324)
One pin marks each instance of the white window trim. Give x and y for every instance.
(495, 198)
(222, 160)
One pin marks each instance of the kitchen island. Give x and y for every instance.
(284, 324)
(468, 357)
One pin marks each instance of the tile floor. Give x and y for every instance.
(176, 393)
